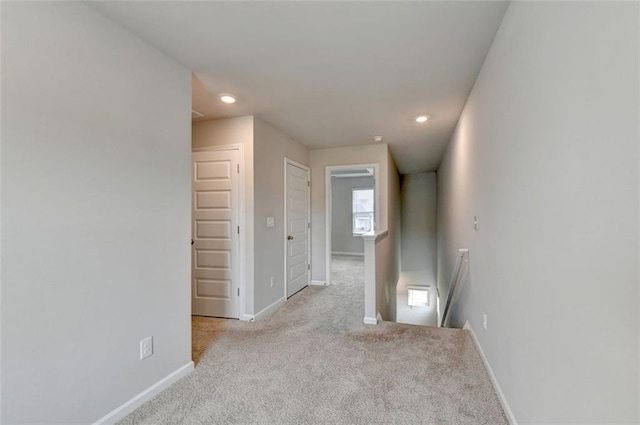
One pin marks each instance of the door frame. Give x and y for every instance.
(242, 239)
(327, 206)
(288, 161)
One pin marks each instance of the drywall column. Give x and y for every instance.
(376, 275)
(370, 279)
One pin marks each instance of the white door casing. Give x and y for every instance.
(297, 247)
(215, 233)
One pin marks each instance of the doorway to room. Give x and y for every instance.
(351, 213)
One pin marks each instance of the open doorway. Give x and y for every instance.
(351, 212)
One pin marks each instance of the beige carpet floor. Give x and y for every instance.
(314, 362)
(347, 270)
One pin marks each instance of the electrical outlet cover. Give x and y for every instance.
(146, 347)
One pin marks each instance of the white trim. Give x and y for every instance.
(247, 318)
(370, 321)
(327, 206)
(353, 215)
(354, 254)
(241, 220)
(318, 283)
(228, 147)
(270, 309)
(503, 400)
(346, 176)
(129, 406)
(370, 303)
(297, 164)
(288, 161)
(374, 236)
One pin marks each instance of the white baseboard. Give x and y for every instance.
(270, 309)
(123, 410)
(247, 318)
(318, 283)
(503, 401)
(354, 254)
(370, 321)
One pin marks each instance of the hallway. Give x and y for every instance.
(314, 362)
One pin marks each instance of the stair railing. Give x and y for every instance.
(461, 260)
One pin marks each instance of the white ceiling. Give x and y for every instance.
(329, 73)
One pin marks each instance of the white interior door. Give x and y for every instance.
(297, 228)
(215, 221)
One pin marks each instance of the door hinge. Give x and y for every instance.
(308, 225)
(308, 183)
(238, 291)
(238, 229)
(308, 266)
(238, 167)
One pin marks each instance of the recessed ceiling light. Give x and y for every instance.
(422, 118)
(377, 139)
(227, 98)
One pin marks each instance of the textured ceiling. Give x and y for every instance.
(329, 73)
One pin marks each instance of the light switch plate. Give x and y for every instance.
(271, 222)
(146, 347)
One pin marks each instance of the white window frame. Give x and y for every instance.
(353, 213)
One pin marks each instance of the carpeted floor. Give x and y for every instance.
(347, 270)
(314, 362)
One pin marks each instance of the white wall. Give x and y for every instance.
(234, 131)
(385, 287)
(265, 149)
(320, 159)
(271, 148)
(545, 154)
(342, 237)
(419, 256)
(393, 257)
(95, 214)
(1, 274)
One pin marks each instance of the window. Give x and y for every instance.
(362, 211)
(418, 296)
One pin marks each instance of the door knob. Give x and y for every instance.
(289, 237)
